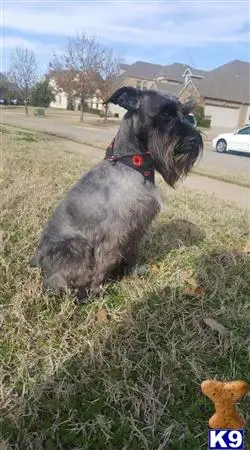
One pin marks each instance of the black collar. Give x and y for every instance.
(141, 162)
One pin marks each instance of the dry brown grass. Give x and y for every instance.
(122, 372)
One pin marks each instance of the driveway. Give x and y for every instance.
(100, 136)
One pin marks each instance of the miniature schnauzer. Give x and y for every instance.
(96, 228)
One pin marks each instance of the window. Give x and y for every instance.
(244, 131)
(59, 99)
(144, 85)
(139, 84)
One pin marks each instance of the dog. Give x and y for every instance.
(95, 230)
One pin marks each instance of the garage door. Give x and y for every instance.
(221, 116)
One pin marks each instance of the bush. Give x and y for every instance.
(199, 114)
(205, 122)
(87, 109)
(42, 95)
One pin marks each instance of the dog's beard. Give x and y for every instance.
(174, 156)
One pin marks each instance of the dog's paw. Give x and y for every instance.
(139, 271)
(82, 295)
(85, 294)
(55, 283)
(33, 263)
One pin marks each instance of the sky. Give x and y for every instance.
(204, 34)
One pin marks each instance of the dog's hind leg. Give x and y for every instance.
(108, 258)
(68, 263)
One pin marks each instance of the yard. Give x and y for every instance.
(122, 372)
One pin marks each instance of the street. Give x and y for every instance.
(95, 135)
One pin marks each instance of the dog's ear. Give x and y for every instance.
(127, 97)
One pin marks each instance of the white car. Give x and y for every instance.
(239, 141)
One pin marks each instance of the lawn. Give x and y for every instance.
(122, 372)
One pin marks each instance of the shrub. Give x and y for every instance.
(87, 109)
(205, 122)
(199, 114)
(42, 94)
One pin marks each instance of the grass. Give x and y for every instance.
(239, 180)
(122, 372)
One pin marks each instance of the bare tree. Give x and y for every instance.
(110, 76)
(62, 78)
(23, 72)
(80, 66)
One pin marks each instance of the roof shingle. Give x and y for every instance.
(143, 70)
(230, 82)
(175, 71)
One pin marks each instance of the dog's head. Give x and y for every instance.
(161, 125)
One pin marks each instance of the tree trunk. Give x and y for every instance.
(82, 112)
(106, 113)
(26, 96)
(26, 107)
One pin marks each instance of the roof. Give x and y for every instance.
(143, 70)
(124, 66)
(168, 88)
(175, 71)
(230, 82)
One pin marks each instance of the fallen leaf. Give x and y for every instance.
(200, 291)
(196, 291)
(101, 316)
(154, 268)
(246, 249)
(214, 325)
(186, 274)
(190, 292)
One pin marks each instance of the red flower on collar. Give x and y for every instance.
(137, 160)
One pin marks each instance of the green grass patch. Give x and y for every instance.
(71, 381)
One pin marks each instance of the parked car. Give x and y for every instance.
(239, 141)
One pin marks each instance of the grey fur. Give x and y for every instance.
(96, 228)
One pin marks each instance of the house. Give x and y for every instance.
(64, 101)
(140, 74)
(223, 92)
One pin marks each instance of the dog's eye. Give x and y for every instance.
(190, 119)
